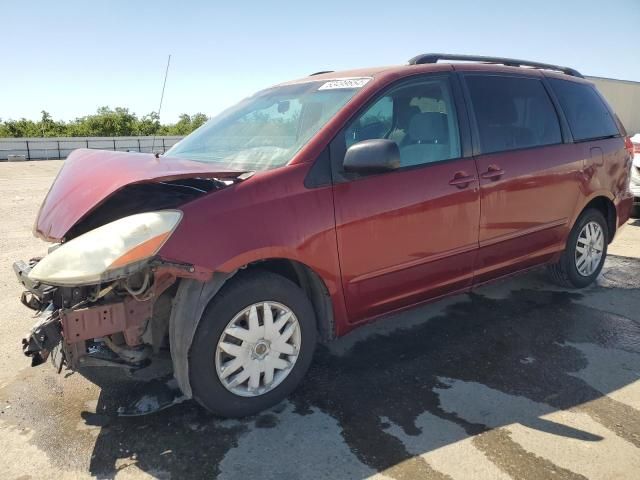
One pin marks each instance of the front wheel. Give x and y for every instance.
(585, 253)
(253, 345)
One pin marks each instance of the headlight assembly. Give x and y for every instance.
(109, 252)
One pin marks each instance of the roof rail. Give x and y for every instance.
(321, 72)
(510, 62)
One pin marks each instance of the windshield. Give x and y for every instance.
(266, 130)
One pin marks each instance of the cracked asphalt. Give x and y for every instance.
(518, 380)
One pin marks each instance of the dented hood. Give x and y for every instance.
(89, 177)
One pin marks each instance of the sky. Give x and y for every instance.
(70, 57)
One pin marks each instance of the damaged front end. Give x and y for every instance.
(103, 295)
(95, 294)
(121, 323)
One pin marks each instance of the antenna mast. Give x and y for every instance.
(164, 84)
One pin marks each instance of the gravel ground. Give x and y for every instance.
(517, 380)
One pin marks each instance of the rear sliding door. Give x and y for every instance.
(528, 176)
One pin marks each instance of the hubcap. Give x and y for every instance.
(258, 349)
(589, 249)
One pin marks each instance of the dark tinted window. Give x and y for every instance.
(586, 113)
(512, 113)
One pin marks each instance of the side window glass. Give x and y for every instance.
(376, 122)
(420, 117)
(586, 113)
(512, 113)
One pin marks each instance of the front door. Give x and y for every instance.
(411, 234)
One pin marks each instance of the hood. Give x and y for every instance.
(89, 177)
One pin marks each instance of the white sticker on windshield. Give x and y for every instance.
(345, 83)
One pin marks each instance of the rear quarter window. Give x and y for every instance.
(588, 116)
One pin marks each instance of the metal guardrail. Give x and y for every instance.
(61, 147)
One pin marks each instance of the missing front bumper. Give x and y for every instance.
(70, 339)
(63, 334)
(45, 337)
(36, 296)
(88, 326)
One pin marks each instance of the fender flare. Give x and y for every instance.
(189, 303)
(588, 199)
(583, 201)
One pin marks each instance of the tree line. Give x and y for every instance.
(106, 122)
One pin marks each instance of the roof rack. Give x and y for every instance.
(510, 62)
(321, 72)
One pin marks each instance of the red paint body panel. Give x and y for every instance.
(526, 212)
(271, 215)
(610, 177)
(406, 236)
(89, 177)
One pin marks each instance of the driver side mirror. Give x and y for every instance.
(372, 156)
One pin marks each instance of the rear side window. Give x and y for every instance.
(586, 113)
(512, 113)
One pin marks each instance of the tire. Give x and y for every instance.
(566, 271)
(207, 357)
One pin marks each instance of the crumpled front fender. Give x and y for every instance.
(191, 299)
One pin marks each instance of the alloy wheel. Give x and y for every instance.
(589, 248)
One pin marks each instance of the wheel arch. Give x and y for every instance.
(312, 285)
(193, 296)
(606, 206)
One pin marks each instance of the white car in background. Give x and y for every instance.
(635, 175)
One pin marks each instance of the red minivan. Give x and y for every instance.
(315, 206)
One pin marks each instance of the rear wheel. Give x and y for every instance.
(585, 253)
(253, 345)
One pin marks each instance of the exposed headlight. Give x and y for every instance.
(108, 252)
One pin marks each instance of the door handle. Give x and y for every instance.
(461, 180)
(493, 172)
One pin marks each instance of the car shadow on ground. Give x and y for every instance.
(461, 368)
(522, 345)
